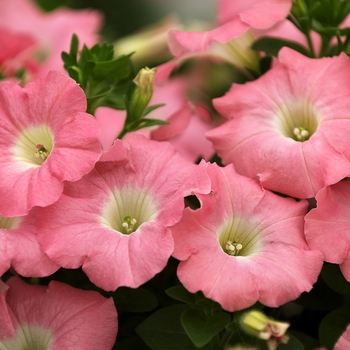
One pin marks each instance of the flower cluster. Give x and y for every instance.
(218, 178)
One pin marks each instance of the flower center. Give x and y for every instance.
(10, 223)
(33, 146)
(238, 51)
(29, 337)
(233, 248)
(129, 224)
(297, 120)
(239, 237)
(127, 209)
(42, 152)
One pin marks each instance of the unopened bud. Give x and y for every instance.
(144, 80)
(257, 324)
(141, 94)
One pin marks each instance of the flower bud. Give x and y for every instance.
(257, 324)
(144, 80)
(141, 94)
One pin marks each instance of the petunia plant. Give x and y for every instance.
(202, 203)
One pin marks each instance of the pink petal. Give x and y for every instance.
(275, 266)
(77, 319)
(327, 226)
(257, 13)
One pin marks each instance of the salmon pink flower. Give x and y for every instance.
(327, 227)
(52, 31)
(55, 317)
(20, 249)
(115, 221)
(13, 51)
(45, 139)
(231, 40)
(343, 342)
(290, 127)
(245, 244)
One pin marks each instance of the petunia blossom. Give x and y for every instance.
(14, 47)
(52, 31)
(20, 249)
(327, 227)
(55, 317)
(115, 221)
(41, 141)
(231, 39)
(343, 342)
(244, 244)
(290, 127)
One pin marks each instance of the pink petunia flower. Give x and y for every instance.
(20, 249)
(55, 317)
(327, 227)
(45, 139)
(51, 30)
(14, 47)
(115, 221)
(343, 342)
(231, 39)
(244, 244)
(290, 127)
(256, 13)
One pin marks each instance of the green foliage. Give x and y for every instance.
(109, 82)
(334, 278)
(333, 326)
(323, 17)
(100, 75)
(163, 329)
(134, 300)
(272, 46)
(201, 327)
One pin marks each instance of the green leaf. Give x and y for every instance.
(273, 45)
(67, 59)
(149, 109)
(134, 300)
(334, 278)
(305, 339)
(102, 93)
(86, 71)
(74, 44)
(333, 326)
(103, 52)
(146, 123)
(163, 330)
(180, 293)
(117, 69)
(74, 73)
(202, 328)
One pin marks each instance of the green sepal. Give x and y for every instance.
(146, 123)
(149, 109)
